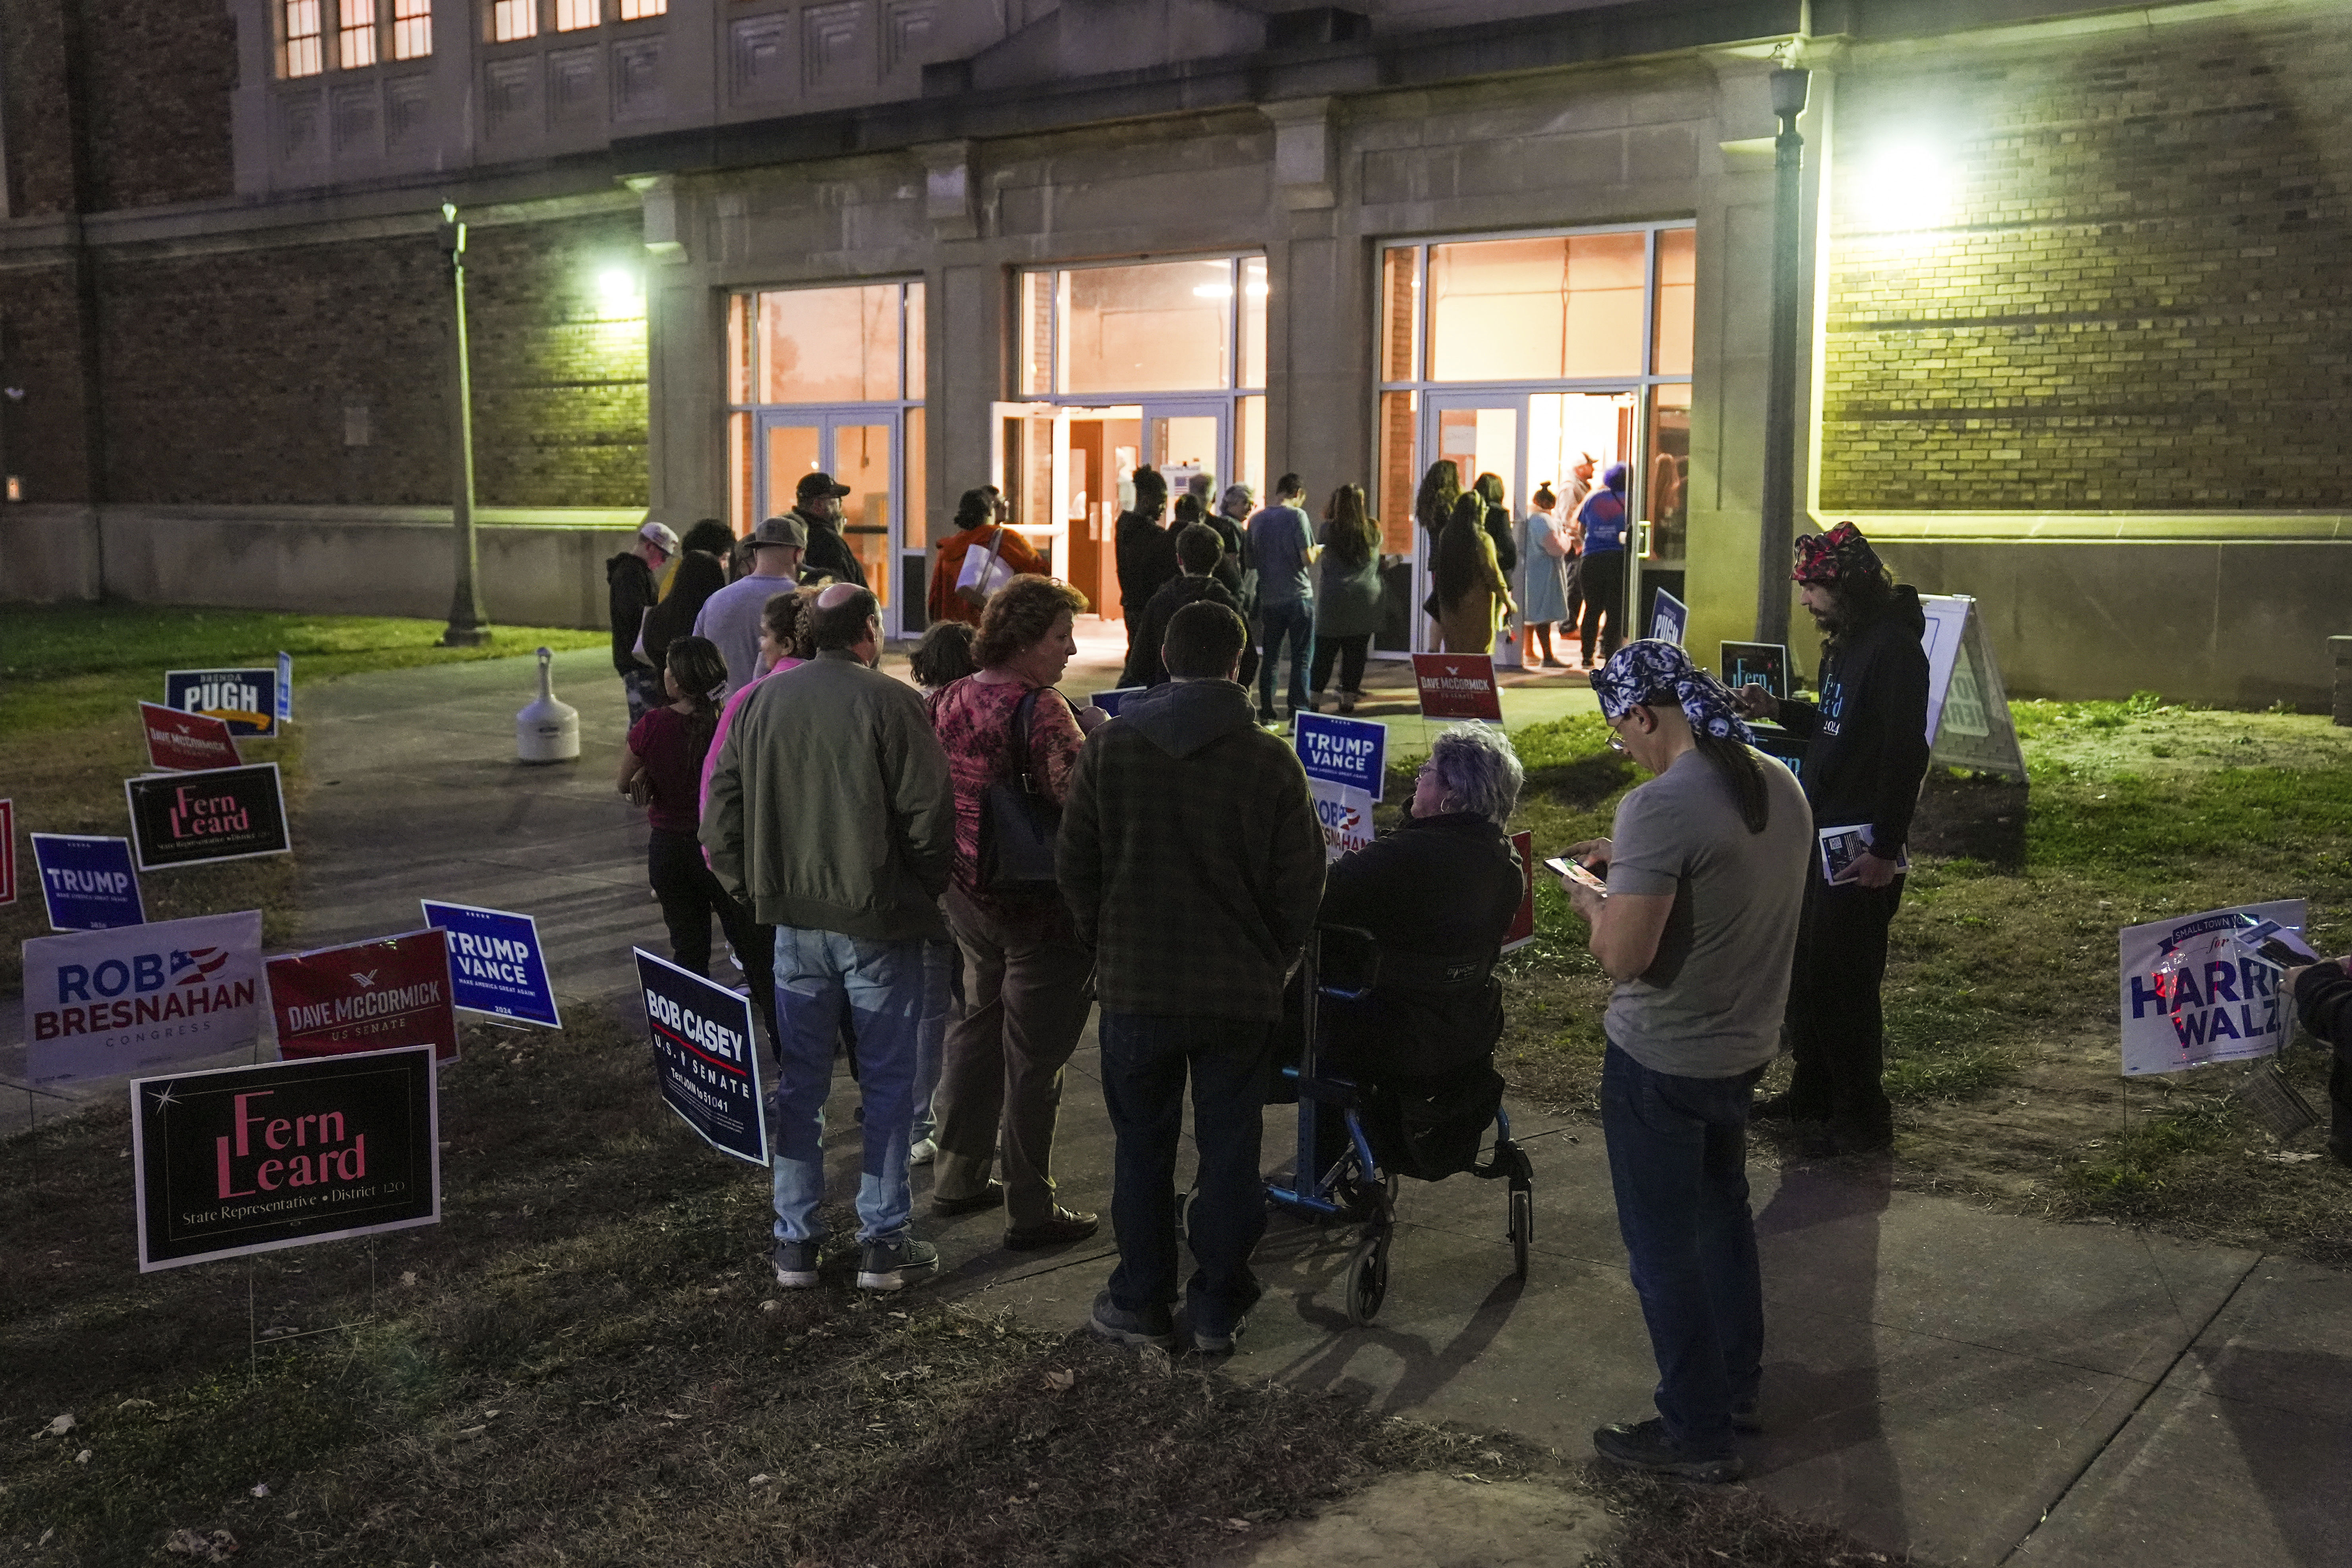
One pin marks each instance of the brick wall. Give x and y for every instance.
(40, 352)
(2138, 300)
(229, 377)
(159, 78)
(32, 99)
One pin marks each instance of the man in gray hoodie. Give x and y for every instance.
(1184, 817)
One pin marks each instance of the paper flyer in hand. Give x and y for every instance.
(1842, 846)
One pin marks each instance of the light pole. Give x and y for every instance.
(468, 626)
(1779, 504)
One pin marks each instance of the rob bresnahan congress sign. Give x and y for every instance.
(253, 1159)
(704, 1057)
(2190, 994)
(106, 1002)
(367, 996)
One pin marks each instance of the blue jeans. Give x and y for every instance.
(644, 691)
(1144, 1060)
(886, 988)
(1292, 619)
(1678, 1162)
(930, 1041)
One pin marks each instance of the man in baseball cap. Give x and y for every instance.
(731, 617)
(632, 579)
(818, 503)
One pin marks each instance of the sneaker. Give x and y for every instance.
(990, 1197)
(795, 1264)
(1062, 1228)
(1152, 1326)
(1644, 1446)
(895, 1265)
(1314, 704)
(922, 1151)
(1268, 716)
(1347, 700)
(1209, 1342)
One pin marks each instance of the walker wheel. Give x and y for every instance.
(1368, 1269)
(1523, 1228)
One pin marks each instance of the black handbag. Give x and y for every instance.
(1018, 824)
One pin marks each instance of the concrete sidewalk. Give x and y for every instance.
(1972, 1385)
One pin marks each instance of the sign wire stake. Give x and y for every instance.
(252, 1332)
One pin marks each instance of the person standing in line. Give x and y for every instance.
(1472, 596)
(1282, 543)
(980, 525)
(941, 659)
(1601, 570)
(661, 770)
(1571, 576)
(1026, 1000)
(1197, 557)
(1235, 570)
(816, 501)
(832, 811)
(1146, 554)
(700, 572)
(1543, 601)
(2322, 994)
(1433, 504)
(1184, 817)
(1706, 865)
(1498, 522)
(732, 616)
(1347, 596)
(1867, 754)
(631, 580)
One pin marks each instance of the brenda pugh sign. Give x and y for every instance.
(244, 700)
(495, 963)
(181, 742)
(703, 1057)
(1457, 686)
(1343, 751)
(87, 884)
(222, 813)
(2190, 994)
(367, 996)
(253, 1159)
(108, 1002)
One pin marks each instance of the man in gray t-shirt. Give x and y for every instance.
(1706, 869)
(731, 617)
(1282, 547)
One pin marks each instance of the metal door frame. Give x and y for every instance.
(827, 419)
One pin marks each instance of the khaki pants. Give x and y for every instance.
(1024, 1005)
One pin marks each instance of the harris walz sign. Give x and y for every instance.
(253, 1159)
(221, 814)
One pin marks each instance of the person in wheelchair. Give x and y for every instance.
(1436, 895)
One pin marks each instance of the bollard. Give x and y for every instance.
(2342, 648)
(547, 730)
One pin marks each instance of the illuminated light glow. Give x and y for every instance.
(1212, 290)
(616, 286)
(1909, 186)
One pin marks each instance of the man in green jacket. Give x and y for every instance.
(1191, 860)
(830, 810)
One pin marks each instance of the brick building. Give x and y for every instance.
(2078, 343)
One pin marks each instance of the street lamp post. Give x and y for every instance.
(468, 625)
(1779, 502)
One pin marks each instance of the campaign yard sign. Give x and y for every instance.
(285, 688)
(365, 996)
(1764, 664)
(181, 742)
(495, 964)
(102, 1003)
(221, 814)
(1343, 751)
(1969, 721)
(1457, 686)
(7, 851)
(87, 884)
(244, 700)
(1108, 701)
(1669, 618)
(254, 1159)
(2190, 994)
(704, 1057)
(1344, 814)
(1523, 924)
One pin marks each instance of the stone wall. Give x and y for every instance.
(2136, 297)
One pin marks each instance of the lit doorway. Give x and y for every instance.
(861, 450)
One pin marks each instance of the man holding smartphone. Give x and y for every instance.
(1705, 868)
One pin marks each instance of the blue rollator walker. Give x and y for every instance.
(1359, 1188)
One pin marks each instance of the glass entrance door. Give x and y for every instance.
(860, 448)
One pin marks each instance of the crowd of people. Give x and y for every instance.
(944, 878)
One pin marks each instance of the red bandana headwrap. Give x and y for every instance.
(1840, 554)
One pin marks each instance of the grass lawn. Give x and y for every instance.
(2001, 993)
(70, 678)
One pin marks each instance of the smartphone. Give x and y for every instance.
(1576, 873)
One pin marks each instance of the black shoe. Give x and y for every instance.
(895, 1265)
(1744, 1418)
(1062, 1229)
(991, 1198)
(1782, 1107)
(1268, 716)
(1644, 1446)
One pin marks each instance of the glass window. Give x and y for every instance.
(919, 518)
(513, 19)
(411, 29)
(1397, 312)
(915, 341)
(1665, 499)
(1399, 470)
(829, 345)
(739, 349)
(638, 10)
(1253, 293)
(355, 34)
(1249, 446)
(305, 53)
(861, 459)
(1036, 332)
(1677, 299)
(571, 16)
(1557, 308)
(1155, 326)
(740, 515)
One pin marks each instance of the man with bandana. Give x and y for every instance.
(1866, 757)
(1706, 866)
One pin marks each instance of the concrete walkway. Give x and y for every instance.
(1977, 1387)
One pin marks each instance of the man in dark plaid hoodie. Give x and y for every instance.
(1191, 858)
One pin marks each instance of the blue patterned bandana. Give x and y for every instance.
(1641, 667)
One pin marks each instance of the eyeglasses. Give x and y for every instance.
(1617, 743)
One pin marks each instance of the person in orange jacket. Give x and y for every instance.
(980, 521)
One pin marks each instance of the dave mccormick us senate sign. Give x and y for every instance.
(253, 1159)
